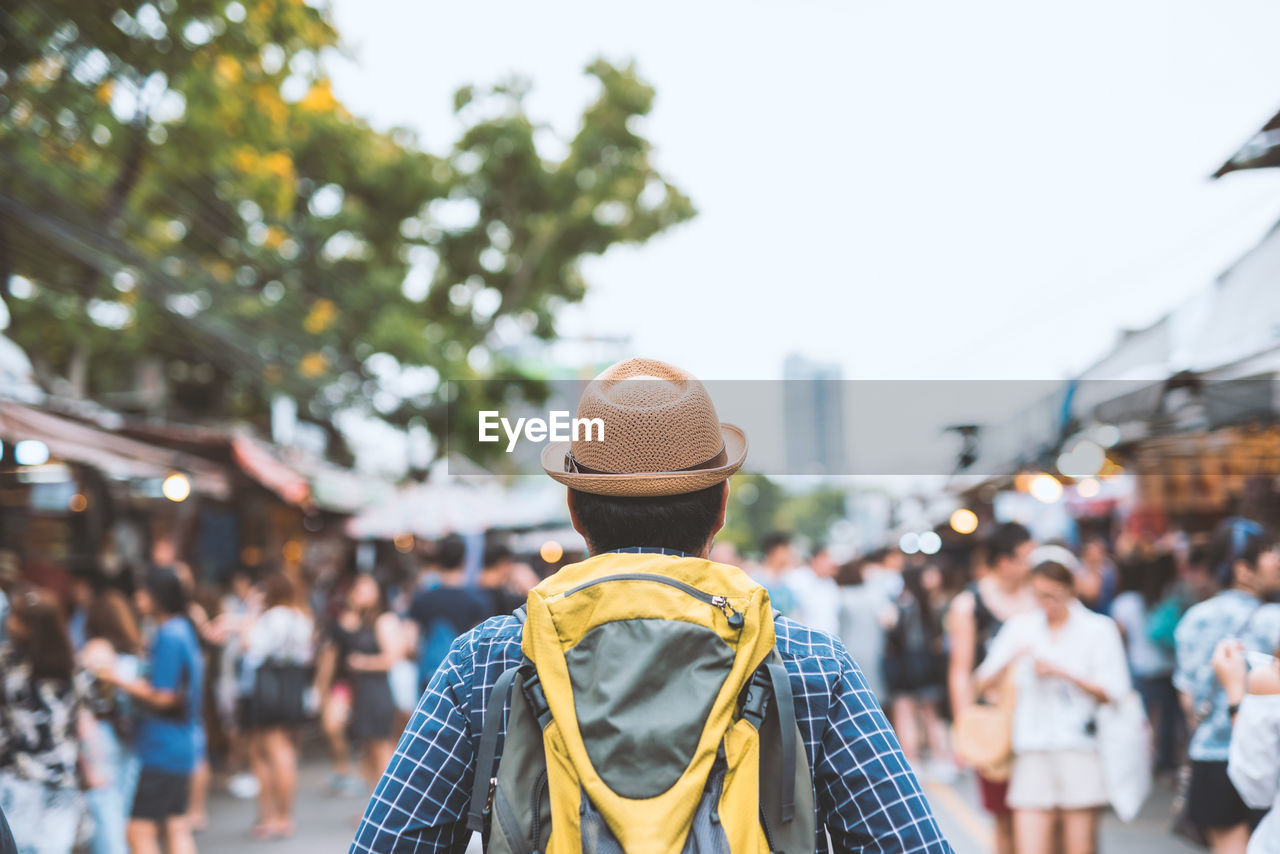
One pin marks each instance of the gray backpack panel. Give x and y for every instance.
(642, 690)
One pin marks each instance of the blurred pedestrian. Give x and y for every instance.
(777, 560)
(916, 671)
(497, 582)
(1247, 564)
(113, 644)
(369, 641)
(168, 732)
(1146, 584)
(444, 608)
(238, 607)
(883, 572)
(1253, 762)
(208, 643)
(975, 616)
(79, 597)
(817, 594)
(862, 619)
(43, 720)
(1066, 661)
(1097, 579)
(335, 689)
(274, 681)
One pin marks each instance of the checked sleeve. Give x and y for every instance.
(868, 796)
(420, 803)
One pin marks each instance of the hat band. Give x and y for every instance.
(572, 465)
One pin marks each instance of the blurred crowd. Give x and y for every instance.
(1056, 636)
(115, 704)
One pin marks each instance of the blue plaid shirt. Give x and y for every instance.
(867, 797)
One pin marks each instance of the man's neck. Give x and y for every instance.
(1008, 583)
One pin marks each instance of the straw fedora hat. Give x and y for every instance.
(661, 435)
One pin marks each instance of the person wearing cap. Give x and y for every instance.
(655, 483)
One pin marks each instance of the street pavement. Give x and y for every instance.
(327, 823)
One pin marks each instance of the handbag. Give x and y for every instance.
(1124, 746)
(983, 733)
(279, 695)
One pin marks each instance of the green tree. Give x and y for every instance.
(758, 505)
(181, 189)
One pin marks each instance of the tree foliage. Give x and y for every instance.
(181, 189)
(759, 505)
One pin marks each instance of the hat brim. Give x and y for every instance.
(648, 483)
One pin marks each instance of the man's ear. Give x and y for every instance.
(573, 516)
(724, 506)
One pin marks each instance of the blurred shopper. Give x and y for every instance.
(208, 640)
(862, 618)
(369, 641)
(916, 671)
(1253, 763)
(169, 732)
(1248, 567)
(275, 679)
(497, 581)
(816, 591)
(43, 716)
(1097, 579)
(1147, 586)
(1066, 660)
(239, 605)
(113, 644)
(80, 597)
(975, 616)
(335, 690)
(445, 609)
(883, 573)
(777, 560)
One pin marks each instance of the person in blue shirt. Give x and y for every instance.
(167, 734)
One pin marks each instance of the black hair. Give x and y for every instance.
(850, 574)
(166, 591)
(773, 540)
(496, 553)
(1054, 571)
(913, 585)
(680, 522)
(451, 551)
(1005, 540)
(1238, 539)
(1160, 574)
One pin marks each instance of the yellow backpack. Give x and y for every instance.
(651, 715)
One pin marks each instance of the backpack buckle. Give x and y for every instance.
(536, 697)
(755, 704)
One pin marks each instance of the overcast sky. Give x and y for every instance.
(911, 189)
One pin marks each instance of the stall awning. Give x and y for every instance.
(1260, 152)
(258, 462)
(115, 456)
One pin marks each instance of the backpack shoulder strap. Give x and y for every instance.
(785, 704)
(482, 787)
(772, 683)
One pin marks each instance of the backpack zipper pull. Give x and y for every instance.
(735, 619)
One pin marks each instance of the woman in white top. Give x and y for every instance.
(1253, 761)
(1065, 661)
(283, 635)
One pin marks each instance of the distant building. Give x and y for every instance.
(813, 400)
